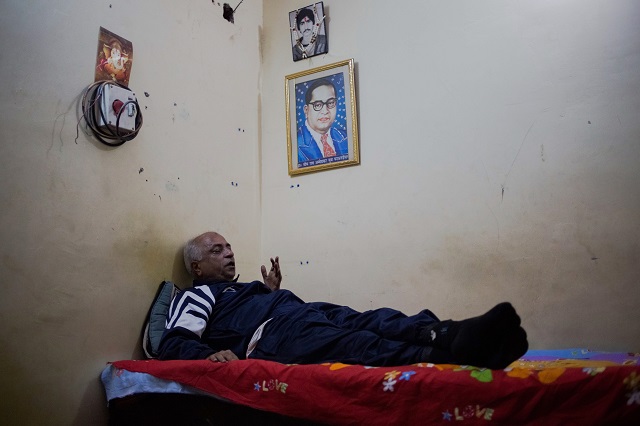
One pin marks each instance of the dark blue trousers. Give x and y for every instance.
(323, 332)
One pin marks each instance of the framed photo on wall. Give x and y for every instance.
(322, 128)
(308, 32)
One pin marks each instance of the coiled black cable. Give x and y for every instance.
(92, 112)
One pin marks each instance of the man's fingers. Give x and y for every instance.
(223, 356)
(276, 265)
(228, 356)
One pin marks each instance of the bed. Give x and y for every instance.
(561, 387)
(544, 388)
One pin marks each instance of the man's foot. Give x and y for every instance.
(493, 340)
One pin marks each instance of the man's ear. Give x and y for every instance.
(305, 109)
(195, 267)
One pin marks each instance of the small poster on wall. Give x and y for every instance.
(115, 57)
(308, 32)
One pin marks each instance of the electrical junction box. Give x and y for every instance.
(115, 99)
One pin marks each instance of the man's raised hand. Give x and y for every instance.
(274, 277)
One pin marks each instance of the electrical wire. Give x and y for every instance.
(95, 116)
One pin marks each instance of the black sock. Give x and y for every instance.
(439, 356)
(492, 340)
(439, 335)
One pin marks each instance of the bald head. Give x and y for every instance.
(209, 257)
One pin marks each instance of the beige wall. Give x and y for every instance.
(87, 237)
(458, 101)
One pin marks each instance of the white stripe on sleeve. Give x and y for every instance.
(191, 309)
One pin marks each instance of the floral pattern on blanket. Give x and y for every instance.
(633, 386)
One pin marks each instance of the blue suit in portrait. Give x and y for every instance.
(308, 149)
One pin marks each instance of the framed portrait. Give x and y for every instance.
(322, 128)
(308, 32)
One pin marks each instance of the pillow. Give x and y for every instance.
(157, 317)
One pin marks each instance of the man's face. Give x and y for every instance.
(217, 261)
(305, 27)
(322, 120)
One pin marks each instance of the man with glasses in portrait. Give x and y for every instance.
(317, 138)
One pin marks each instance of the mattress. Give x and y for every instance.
(561, 387)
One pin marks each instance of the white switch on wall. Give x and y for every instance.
(114, 98)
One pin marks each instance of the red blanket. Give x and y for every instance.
(540, 393)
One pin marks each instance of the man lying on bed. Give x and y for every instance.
(222, 320)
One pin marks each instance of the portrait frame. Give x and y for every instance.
(343, 130)
(309, 39)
